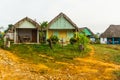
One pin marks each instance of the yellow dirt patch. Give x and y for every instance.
(92, 51)
(13, 68)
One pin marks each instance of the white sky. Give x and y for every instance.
(94, 14)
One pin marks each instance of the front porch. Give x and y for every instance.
(22, 35)
(113, 40)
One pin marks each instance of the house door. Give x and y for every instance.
(34, 35)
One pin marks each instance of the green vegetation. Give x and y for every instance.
(1, 43)
(80, 40)
(10, 26)
(54, 39)
(117, 73)
(37, 53)
(43, 26)
(108, 53)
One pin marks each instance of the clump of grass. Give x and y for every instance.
(117, 59)
(117, 74)
(1, 43)
(107, 53)
(116, 47)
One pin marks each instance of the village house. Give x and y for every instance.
(88, 33)
(111, 35)
(61, 26)
(28, 31)
(24, 31)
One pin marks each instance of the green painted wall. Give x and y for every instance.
(87, 32)
(61, 23)
(56, 33)
(70, 34)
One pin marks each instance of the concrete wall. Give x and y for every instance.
(103, 40)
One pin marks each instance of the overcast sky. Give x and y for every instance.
(94, 14)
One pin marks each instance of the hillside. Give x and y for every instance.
(88, 68)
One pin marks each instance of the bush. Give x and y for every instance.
(54, 39)
(73, 40)
(80, 40)
(1, 43)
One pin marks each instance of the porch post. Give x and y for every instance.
(46, 35)
(113, 40)
(38, 36)
(107, 41)
(119, 40)
(15, 36)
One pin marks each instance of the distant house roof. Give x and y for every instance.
(87, 33)
(66, 17)
(111, 31)
(29, 20)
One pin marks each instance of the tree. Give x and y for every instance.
(10, 27)
(97, 38)
(43, 26)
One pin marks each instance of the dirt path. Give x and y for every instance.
(90, 69)
(91, 60)
(102, 68)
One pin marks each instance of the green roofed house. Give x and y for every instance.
(63, 27)
(87, 32)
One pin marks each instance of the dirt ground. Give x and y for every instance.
(14, 68)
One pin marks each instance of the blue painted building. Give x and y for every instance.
(111, 35)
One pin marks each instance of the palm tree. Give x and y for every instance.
(43, 26)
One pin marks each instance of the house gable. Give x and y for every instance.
(61, 23)
(87, 32)
(26, 24)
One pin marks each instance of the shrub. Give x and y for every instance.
(1, 43)
(79, 39)
(54, 39)
(73, 40)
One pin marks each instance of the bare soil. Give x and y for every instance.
(15, 68)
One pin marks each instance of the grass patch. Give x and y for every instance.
(1, 42)
(117, 74)
(41, 53)
(108, 53)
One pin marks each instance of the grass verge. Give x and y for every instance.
(41, 53)
(108, 53)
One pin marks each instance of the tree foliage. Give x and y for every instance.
(54, 39)
(79, 39)
(10, 27)
(43, 25)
